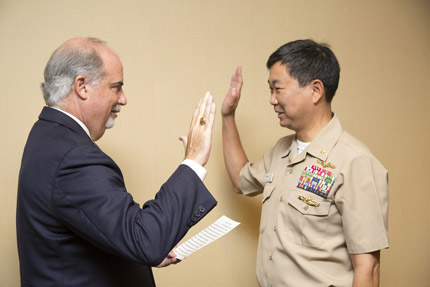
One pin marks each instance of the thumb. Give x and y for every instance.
(184, 140)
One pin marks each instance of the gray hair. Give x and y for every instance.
(66, 63)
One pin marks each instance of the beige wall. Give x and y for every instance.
(173, 51)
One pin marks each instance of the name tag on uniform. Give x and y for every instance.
(269, 177)
(316, 180)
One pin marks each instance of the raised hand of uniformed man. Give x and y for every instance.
(234, 154)
(198, 143)
(231, 100)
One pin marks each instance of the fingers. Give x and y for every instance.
(236, 82)
(170, 259)
(232, 98)
(211, 115)
(238, 72)
(210, 111)
(196, 113)
(206, 105)
(199, 140)
(171, 255)
(205, 111)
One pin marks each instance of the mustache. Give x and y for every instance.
(116, 109)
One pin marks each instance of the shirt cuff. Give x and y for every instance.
(197, 168)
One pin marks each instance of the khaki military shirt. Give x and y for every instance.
(318, 207)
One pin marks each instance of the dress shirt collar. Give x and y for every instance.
(75, 119)
(324, 142)
(321, 145)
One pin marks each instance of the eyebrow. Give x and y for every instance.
(275, 81)
(116, 84)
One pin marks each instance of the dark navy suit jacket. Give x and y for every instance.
(76, 223)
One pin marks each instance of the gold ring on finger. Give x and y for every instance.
(202, 121)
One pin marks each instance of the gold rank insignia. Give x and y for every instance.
(326, 164)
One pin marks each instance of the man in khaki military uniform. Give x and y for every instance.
(325, 196)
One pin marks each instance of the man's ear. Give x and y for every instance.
(318, 92)
(80, 87)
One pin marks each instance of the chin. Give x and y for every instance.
(285, 124)
(282, 123)
(110, 123)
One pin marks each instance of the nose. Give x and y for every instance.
(122, 100)
(273, 99)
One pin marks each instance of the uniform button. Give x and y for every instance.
(194, 219)
(198, 214)
(202, 209)
(306, 207)
(270, 257)
(280, 198)
(274, 228)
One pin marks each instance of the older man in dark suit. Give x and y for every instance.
(76, 223)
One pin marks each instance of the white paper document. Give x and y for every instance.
(211, 233)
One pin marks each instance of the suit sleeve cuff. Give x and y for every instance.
(197, 168)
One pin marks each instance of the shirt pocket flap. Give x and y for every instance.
(309, 208)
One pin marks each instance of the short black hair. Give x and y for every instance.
(307, 60)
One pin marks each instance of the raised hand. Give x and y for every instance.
(198, 143)
(234, 154)
(231, 100)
